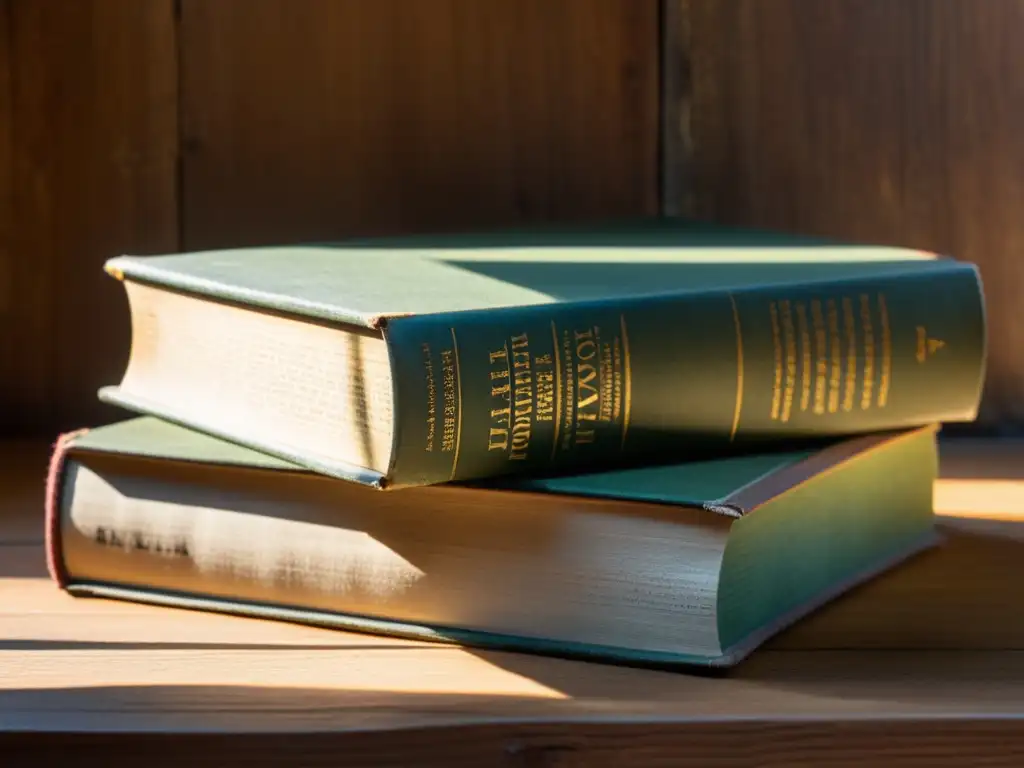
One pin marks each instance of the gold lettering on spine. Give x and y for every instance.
(545, 379)
(789, 334)
(845, 353)
(458, 400)
(739, 369)
(588, 394)
(428, 369)
(586, 376)
(558, 390)
(867, 327)
(803, 329)
(777, 349)
(836, 368)
(450, 410)
(582, 387)
(570, 392)
(526, 390)
(628, 376)
(522, 425)
(497, 439)
(618, 376)
(607, 382)
(850, 383)
(501, 417)
(883, 385)
(821, 356)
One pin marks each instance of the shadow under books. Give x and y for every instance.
(773, 684)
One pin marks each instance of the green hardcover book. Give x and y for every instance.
(695, 563)
(412, 362)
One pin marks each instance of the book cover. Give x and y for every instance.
(403, 363)
(695, 563)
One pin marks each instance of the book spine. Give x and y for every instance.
(52, 502)
(587, 385)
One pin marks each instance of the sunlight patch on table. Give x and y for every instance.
(980, 499)
(416, 670)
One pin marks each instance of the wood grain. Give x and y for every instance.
(316, 119)
(925, 743)
(871, 120)
(94, 142)
(921, 667)
(6, 193)
(675, 97)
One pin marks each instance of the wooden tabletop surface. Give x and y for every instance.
(923, 666)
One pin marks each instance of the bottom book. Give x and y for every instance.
(687, 564)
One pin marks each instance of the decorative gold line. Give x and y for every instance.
(458, 394)
(739, 369)
(558, 391)
(773, 310)
(628, 376)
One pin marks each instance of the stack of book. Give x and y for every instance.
(654, 442)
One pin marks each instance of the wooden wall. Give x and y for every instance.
(899, 121)
(150, 125)
(153, 125)
(88, 153)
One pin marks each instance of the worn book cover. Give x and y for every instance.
(418, 361)
(692, 563)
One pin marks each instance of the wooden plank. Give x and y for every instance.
(80, 666)
(872, 120)
(201, 687)
(94, 148)
(6, 196)
(312, 119)
(21, 371)
(676, 151)
(56, 646)
(995, 743)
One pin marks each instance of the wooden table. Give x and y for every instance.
(924, 666)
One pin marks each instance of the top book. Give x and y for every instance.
(414, 361)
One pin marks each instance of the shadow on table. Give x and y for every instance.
(773, 686)
(782, 683)
(944, 628)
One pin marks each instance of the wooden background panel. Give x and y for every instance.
(312, 119)
(7, 306)
(93, 141)
(900, 122)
